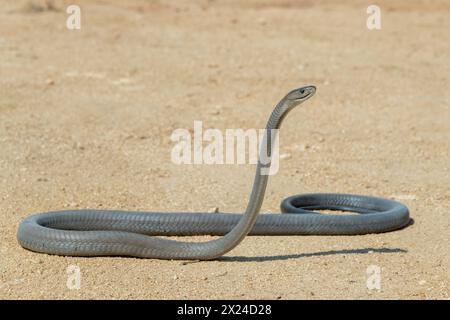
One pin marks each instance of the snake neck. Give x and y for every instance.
(246, 223)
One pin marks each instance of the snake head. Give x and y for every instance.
(289, 102)
(301, 94)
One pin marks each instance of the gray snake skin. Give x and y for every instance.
(124, 233)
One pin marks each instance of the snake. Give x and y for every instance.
(92, 232)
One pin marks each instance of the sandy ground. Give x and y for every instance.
(86, 117)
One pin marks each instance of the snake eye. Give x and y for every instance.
(302, 91)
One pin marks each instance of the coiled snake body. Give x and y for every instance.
(107, 232)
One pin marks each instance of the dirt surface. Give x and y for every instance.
(86, 117)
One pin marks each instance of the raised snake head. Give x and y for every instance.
(301, 94)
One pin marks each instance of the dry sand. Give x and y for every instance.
(86, 118)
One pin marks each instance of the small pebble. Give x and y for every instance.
(299, 147)
(216, 111)
(72, 205)
(404, 197)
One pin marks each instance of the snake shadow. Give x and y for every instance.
(317, 254)
(312, 254)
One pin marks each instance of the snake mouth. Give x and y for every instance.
(301, 94)
(307, 91)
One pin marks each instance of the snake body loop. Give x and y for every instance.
(124, 233)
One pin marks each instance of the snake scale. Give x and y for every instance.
(125, 233)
